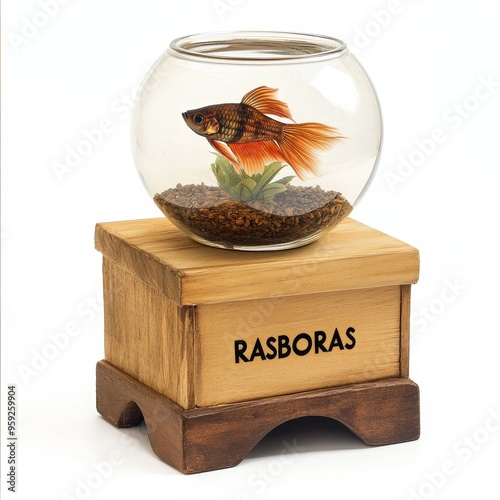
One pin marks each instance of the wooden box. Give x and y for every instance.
(207, 329)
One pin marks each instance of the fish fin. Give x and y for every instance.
(263, 99)
(222, 149)
(299, 141)
(253, 156)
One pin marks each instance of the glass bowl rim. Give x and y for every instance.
(281, 46)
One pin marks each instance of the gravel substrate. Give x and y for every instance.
(211, 214)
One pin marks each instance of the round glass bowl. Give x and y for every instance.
(256, 140)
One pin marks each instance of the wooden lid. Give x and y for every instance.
(351, 256)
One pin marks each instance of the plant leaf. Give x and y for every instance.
(271, 190)
(268, 174)
(249, 183)
(244, 175)
(244, 187)
(285, 180)
(225, 173)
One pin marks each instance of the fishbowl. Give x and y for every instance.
(256, 140)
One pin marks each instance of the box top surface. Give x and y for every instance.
(351, 256)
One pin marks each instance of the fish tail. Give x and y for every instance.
(299, 141)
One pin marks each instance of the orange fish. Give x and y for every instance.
(249, 139)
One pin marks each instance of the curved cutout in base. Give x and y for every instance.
(202, 439)
(306, 435)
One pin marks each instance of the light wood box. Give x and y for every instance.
(176, 312)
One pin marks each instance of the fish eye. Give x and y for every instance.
(198, 119)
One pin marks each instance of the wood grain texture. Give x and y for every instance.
(351, 256)
(124, 401)
(203, 439)
(147, 335)
(404, 358)
(374, 313)
(157, 332)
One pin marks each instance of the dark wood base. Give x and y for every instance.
(203, 439)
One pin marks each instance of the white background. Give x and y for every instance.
(435, 66)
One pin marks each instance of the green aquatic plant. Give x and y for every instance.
(244, 187)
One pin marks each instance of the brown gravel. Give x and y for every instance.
(211, 214)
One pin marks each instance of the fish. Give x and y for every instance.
(249, 138)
